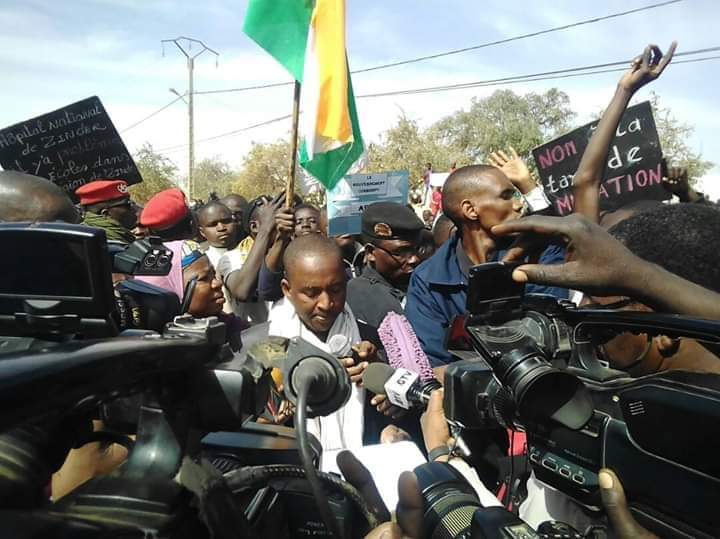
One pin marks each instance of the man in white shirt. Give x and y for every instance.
(314, 309)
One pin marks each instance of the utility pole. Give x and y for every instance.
(185, 45)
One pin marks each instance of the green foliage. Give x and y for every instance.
(469, 135)
(505, 119)
(213, 175)
(407, 147)
(157, 173)
(264, 169)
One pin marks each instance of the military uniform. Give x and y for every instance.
(370, 295)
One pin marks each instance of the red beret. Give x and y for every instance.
(164, 210)
(102, 191)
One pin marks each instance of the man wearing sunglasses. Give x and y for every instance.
(107, 205)
(391, 233)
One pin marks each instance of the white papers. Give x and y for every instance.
(385, 462)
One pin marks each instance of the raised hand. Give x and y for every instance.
(678, 183)
(285, 222)
(596, 262)
(514, 168)
(647, 67)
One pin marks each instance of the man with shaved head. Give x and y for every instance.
(31, 198)
(475, 198)
(238, 206)
(315, 310)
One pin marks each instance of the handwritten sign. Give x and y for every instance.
(347, 200)
(71, 146)
(633, 171)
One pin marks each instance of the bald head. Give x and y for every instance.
(235, 202)
(31, 198)
(304, 251)
(315, 281)
(482, 185)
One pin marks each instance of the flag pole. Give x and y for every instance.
(290, 187)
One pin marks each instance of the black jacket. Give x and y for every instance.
(371, 297)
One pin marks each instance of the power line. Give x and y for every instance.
(517, 38)
(228, 134)
(158, 111)
(464, 49)
(533, 77)
(515, 81)
(521, 78)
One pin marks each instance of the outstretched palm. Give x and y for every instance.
(514, 168)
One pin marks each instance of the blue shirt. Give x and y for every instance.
(438, 291)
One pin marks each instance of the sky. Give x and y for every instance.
(55, 53)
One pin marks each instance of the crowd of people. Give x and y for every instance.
(267, 267)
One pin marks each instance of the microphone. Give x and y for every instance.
(305, 366)
(327, 380)
(403, 388)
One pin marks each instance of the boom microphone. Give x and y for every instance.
(402, 387)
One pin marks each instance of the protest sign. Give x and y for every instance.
(71, 146)
(634, 166)
(347, 200)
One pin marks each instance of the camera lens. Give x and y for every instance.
(517, 351)
(450, 501)
(163, 260)
(543, 392)
(150, 261)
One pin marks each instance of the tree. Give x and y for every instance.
(264, 169)
(406, 147)
(157, 172)
(468, 136)
(213, 175)
(504, 119)
(674, 135)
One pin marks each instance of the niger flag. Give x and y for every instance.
(308, 39)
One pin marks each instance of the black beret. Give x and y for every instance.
(390, 221)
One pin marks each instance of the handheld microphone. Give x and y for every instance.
(403, 388)
(304, 365)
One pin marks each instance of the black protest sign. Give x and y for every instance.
(71, 146)
(634, 166)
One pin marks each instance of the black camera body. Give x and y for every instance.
(197, 467)
(539, 372)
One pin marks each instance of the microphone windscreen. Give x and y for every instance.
(403, 347)
(375, 376)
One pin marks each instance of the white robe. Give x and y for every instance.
(342, 429)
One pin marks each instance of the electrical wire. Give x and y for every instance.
(158, 111)
(307, 462)
(227, 134)
(548, 75)
(464, 49)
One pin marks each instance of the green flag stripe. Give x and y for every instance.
(330, 167)
(281, 28)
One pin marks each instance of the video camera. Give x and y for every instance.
(197, 466)
(56, 282)
(539, 372)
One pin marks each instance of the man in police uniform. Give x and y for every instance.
(391, 233)
(108, 206)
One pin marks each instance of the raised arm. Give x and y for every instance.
(643, 69)
(242, 283)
